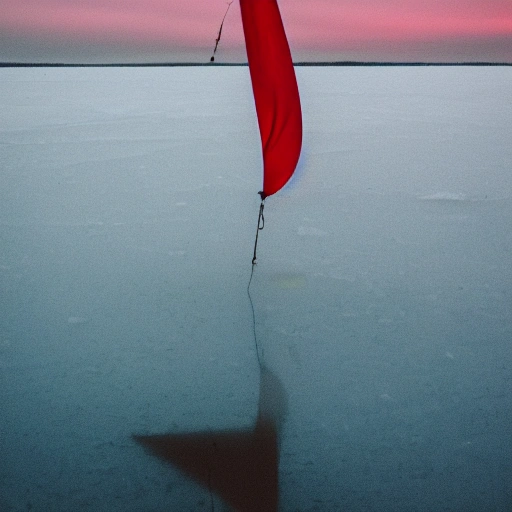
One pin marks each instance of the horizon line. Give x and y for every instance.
(235, 64)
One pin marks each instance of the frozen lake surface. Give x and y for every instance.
(382, 294)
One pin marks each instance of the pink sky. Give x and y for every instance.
(178, 30)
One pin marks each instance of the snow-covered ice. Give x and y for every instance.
(383, 290)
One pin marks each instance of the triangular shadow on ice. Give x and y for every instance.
(241, 466)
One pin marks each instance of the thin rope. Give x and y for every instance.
(261, 225)
(212, 59)
(210, 490)
(254, 319)
(212, 503)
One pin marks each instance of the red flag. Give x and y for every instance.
(275, 91)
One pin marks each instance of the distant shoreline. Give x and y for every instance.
(221, 64)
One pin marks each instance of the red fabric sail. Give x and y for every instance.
(275, 91)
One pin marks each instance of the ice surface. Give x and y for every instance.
(128, 208)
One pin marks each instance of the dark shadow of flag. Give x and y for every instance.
(240, 466)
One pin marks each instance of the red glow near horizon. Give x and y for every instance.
(323, 25)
